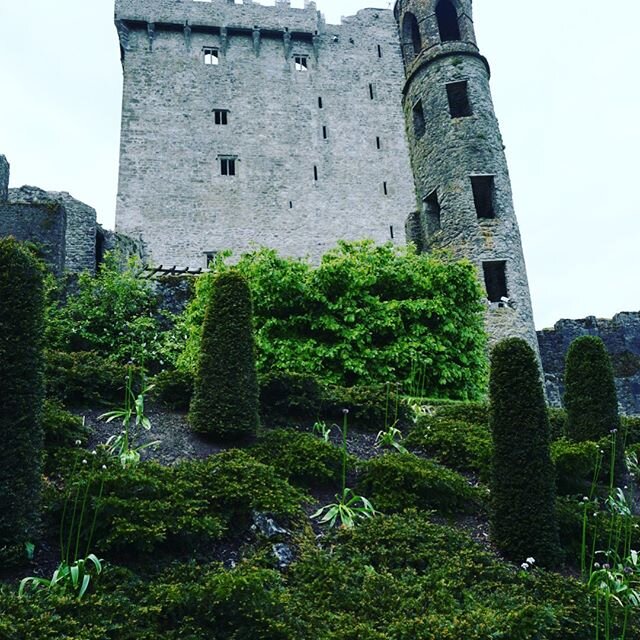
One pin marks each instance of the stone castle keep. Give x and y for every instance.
(245, 125)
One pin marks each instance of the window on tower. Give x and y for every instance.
(301, 63)
(431, 208)
(495, 280)
(484, 195)
(458, 94)
(411, 39)
(448, 25)
(211, 55)
(228, 166)
(221, 116)
(419, 124)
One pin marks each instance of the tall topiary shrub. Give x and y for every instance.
(21, 395)
(590, 392)
(523, 490)
(226, 395)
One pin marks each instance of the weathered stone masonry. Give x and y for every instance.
(314, 126)
(245, 124)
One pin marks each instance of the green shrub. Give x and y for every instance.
(114, 313)
(226, 397)
(630, 429)
(575, 464)
(557, 423)
(523, 481)
(61, 428)
(151, 509)
(290, 397)
(395, 482)
(174, 388)
(590, 392)
(301, 458)
(470, 412)
(463, 446)
(83, 377)
(366, 315)
(21, 373)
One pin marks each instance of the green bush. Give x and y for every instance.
(366, 315)
(575, 464)
(226, 396)
(114, 314)
(61, 430)
(590, 392)
(630, 429)
(301, 458)
(83, 377)
(470, 412)
(290, 397)
(557, 423)
(21, 373)
(174, 388)
(152, 509)
(523, 481)
(395, 482)
(463, 446)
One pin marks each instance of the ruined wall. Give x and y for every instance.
(621, 336)
(4, 179)
(171, 191)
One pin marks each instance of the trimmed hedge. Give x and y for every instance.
(301, 458)
(225, 401)
(395, 482)
(523, 480)
(21, 376)
(590, 392)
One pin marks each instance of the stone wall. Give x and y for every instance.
(621, 335)
(320, 153)
(4, 179)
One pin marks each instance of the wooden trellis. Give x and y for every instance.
(153, 272)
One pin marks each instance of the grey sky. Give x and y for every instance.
(565, 84)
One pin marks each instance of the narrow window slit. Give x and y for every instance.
(495, 280)
(484, 196)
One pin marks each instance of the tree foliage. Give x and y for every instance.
(523, 480)
(21, 372)
(226, 399)
(590, 392)
(367, 314)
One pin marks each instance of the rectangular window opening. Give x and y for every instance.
(324, 132)
(315, 173)
(372, 93)
(385, 188)
(419, 124)
(227, 166)
(431, 208)
(221, 116)
(495, 280)
(378, 143)
(211, 55)
(379, 51)
(301, 63)
(458, 94)
(290, 204)
(209, 257)
(483, 196)
(391, 231)
(320, 102)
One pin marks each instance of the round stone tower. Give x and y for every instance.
(460, 169)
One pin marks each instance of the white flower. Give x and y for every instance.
(524, 565)
(94, 453)
(84, 462)
(78, 443)
(531, 560)
(104, 467)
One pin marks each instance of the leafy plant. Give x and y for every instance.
(321, 429)
(123, 445)
(390, 438)
(349, 506)
(365, 315)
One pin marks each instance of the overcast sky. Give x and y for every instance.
(566, 86)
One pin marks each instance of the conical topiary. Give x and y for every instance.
(21, 397)
(590, 392)
(523, 493)
(226, 394)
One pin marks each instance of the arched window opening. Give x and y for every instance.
(447, 21)
(411, 40)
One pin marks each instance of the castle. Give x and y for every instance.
(245, 125)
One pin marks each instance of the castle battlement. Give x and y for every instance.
(214, 15)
